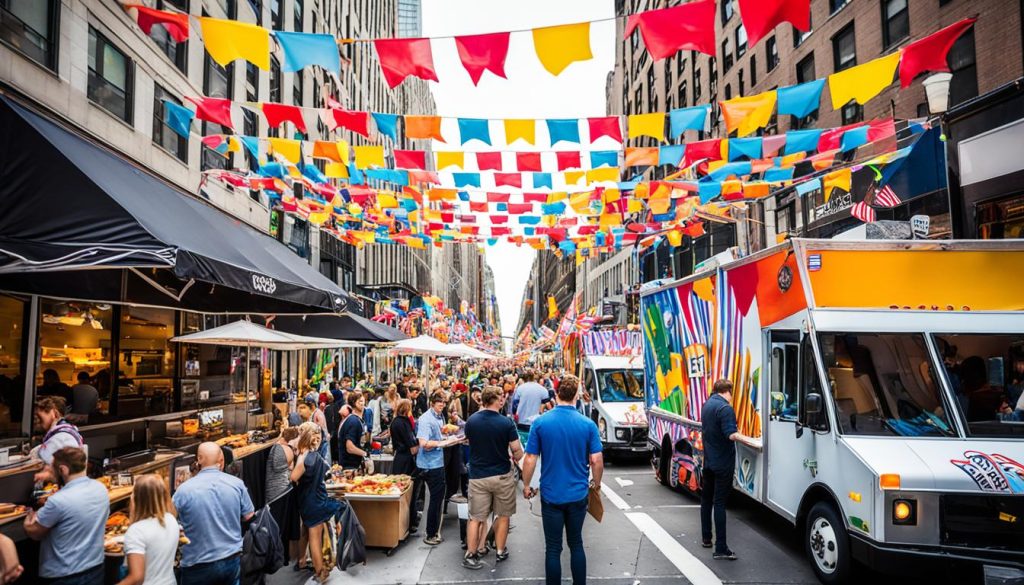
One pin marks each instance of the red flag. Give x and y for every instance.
(429, 177)
(862, 211)
(703, 149)
(278, 113)
(929, 53)
(497, 197)
(481, 53)
(488, 161)
(500, 231)
(358, 122)
(400, 58)
(761, 16)
(411, 159)
(881, 129)
(609, 126)
(508, 180)
(535, 197)
(216, 110)
(498, 219)
(478, 206)
(666, 31)
(568, 160)
(520, 208)
(176, 23)
(832, 138)
(528, 161)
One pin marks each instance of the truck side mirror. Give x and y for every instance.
(813, 405)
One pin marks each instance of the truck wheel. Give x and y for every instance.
(665, 463)
(828, 545)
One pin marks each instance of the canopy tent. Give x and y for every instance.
(470, 352)
(345, 326)
(427, 346)
(72, 205)
(249, 334)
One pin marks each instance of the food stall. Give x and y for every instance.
(381, 502)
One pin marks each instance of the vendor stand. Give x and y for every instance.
(381, 502)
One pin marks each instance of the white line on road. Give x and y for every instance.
(690, 566)
(613, 497)
(680, 506)
(623, 482)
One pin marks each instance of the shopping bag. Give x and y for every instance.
(594, 504)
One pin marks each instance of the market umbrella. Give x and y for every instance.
(470, 352)
(425, 345)
(344, 326)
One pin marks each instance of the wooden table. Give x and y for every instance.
(384, 518)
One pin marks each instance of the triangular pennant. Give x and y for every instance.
(400, 58)
(480, 53)
(558, 47)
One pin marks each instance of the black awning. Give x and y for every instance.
(348, 326)
(69, 204)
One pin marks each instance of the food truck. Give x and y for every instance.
(876, 389)
(612, 372)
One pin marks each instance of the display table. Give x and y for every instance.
(382, 463)
(384, 518)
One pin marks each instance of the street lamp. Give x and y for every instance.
(936, 88)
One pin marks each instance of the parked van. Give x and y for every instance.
(876, 387)
(616, 387)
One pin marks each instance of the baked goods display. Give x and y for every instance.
(113, 536)
(42, 493)
(374, 485)
(234, 441)
(11, 511)
(450, 429)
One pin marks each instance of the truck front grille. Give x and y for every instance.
(983, 521)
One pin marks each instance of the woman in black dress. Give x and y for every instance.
(403, 440)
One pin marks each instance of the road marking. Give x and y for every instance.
(623, 482)
(613, 497)
(690, 566)
(680, 506)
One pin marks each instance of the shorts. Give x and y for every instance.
(495, 494)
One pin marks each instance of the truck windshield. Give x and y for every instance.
(986, 376)
(884, 385)
(621, 385)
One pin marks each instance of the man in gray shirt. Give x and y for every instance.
(531, 398)
(84, 396)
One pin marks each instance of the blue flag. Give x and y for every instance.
(800, 100)
(178, 118)
(387, 124)
(305, 49)
(683, 119)
(567, 130)
(802, 141)
(470, 128)
(601, 158)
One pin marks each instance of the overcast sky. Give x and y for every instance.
(529, 92)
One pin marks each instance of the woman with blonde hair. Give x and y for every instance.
(152, 539)
(316, 507)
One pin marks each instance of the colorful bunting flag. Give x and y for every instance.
(703, 149)
(333, 151)
(683, 119)
(474, 129)
(528, 162)
(608, 126)
(771, 144)
(652, 125)
(400, 58)
(761, 16)
(800, 100)
(423, 128)
(748, 147)
(304, 49)
(387, 124)
(542, 180)
(228, 40)
(216, 110)
(358, 122)
(178, 118)
(488, 161)
(176, 23)
(568, 160)
(288, 148)
(666, 31)
(449, 159)
(276, 114)
(853, 138)
(671, 155)
(636, 157)
(929, 53)
(369, 156)
(863, 82)
(411, 159)
(558, 47)
(601, 158)
(524, 130)
(840, 179)
(463, 180)
(747, 114)
(564, 130)
(481, 53)
(802, 141)
(508, 180)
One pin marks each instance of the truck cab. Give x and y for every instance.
(616, 387)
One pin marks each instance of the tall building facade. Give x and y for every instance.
(410, 18)
(843, 34)
(551, 275)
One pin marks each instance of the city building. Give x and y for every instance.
(410, 18)
(844, 33)
(551, 275)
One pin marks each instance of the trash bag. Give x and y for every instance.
(351, 541)
(262, 549)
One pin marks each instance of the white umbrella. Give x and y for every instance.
(250, 334)
(470, 352)
(425, 345)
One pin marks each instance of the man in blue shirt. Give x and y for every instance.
(718, 422)
(70, 524)
(571, 448)
(430, 462)
(529, 398)
(211, 508)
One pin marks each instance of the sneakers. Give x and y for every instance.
(706, 544)
(728, 555)
(432, 540)
(501, 555)
(472, 562)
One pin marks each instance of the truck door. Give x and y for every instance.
(789, 452)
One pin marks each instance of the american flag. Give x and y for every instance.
(887, 198)
(862, 211)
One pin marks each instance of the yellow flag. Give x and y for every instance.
(841, 178)
(552, 307)
(343, 151)
(415, 243)
(560, 46)
(556, 196)
(442, 194)
(863, 82)
(634, 205)
(747, 114)
(580, 202)
(386, 200)
(603, 174)
(449, 159)
(525, 130)
(652, 125)
(369, 156)
(227, 40)
(573, 177)
(286, 147)
(335, 170)
(318, 217)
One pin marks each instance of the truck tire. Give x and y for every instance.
(665, 463)
(828, 545)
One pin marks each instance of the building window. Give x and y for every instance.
(742, 87)
(753, 70)
(741, 41)
(805, 73)
(964, 68)
(75, 338)
(726, 55)
(163, 136)
(110, 77)
(276, 16)
(175, 51)
(680, 65)
(257, 9)
(297, 87)
(145, 363)
(299, 20)
(682, 93)
(713, 81)
(30, 26)
(728, 9)
(217, 82)
(250, 122)
(13, 320)
(835, 5)
(800, 37)
(638, 98)
(895, 22)
(696, 85)
(728, 92)
(650, 86)
(852, 113)
(844, 49)
(772, 53)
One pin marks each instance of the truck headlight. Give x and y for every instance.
(904, 512)
(602, 429)
(622, 434)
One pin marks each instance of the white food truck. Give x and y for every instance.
(877, 390)
(616, 387)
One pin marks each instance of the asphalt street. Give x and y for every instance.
(650, 536)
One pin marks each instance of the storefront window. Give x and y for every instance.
(146, 361)
(12, 365)
(74, 354)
